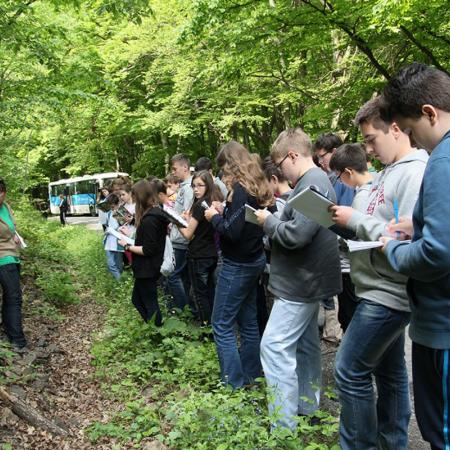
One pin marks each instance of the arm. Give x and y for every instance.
(188, 198)
(297, 232)
(232, 225)
(428, 258)
(371, 228)
(188, 232)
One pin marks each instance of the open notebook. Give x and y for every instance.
(314, 205)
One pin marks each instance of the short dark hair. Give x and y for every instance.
(180, 158)
(113, 199)
(2, 185)
(414, 86)
(370, 112)
(349, 156)
(203, 163)
(327, 141)
(270, 170)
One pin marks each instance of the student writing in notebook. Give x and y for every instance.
(304, 269)
(373, 344)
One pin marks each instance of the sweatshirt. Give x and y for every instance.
(185, 198)
(373, 276)
(426, 260)
(304, 260)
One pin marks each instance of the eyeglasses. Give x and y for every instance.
(278, 165)
(197, 186)
(320, 157)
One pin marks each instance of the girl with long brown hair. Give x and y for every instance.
(148, 250)
(243, 262)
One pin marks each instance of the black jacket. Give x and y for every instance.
(151, 235)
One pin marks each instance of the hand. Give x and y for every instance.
(262, 215)
(122, 242)
(125, 230)
(218, 206)
(401, 230)
(16, 239)
(385, 240)
(186, 215)
(210, 213)
(341, 214)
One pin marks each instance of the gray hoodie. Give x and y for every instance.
(304, 260)
(185, 198)
(371, 273)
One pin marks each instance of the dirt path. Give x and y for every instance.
(56, 378)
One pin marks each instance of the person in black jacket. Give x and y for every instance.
(148, 250)
(243, 263)
(63, 208)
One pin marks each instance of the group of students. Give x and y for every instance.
(221, 260)
(379, 292)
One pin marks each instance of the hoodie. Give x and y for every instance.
(185, 198)
(305, 259)
(427, 259)
(371, 273)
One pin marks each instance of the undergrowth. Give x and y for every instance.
(168, 377)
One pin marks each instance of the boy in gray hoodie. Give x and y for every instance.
(374, 341)
(304, 269)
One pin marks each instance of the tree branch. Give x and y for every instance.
(426, 51)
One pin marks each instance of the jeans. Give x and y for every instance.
(348, 301)
(291, 360)
(114, 260)
(12, 303)
(145, 299)
(235, 304)
(201, 274)
(373, 344)
(178, 280)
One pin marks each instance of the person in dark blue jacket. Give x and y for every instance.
(418, 98)
(243, 263)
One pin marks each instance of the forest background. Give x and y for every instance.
(100, 85)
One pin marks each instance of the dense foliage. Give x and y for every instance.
(95, 85)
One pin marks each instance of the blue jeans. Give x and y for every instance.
(114, 260)
(291, 360)
(373, 345)
(235, 304)
(12, 303)
(178, 280)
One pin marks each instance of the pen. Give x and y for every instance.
(397, 234)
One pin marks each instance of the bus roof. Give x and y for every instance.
(96, 176)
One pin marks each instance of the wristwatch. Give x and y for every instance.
(127, 247)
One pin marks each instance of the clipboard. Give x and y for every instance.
(314, 205)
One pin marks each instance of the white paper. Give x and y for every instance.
(175, 217)
(120, 236)
(250, 215)
(22, 243)
(356, 246)
(314, 206)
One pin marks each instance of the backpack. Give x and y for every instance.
(168, 264)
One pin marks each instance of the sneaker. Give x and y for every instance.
(19, 349)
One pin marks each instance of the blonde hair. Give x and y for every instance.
(294, 139)
(245, 168)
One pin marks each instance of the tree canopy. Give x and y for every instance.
(100, 85)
